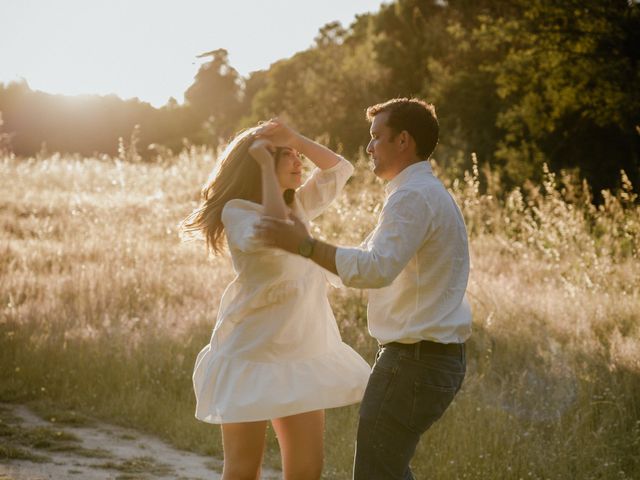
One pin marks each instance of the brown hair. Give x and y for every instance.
(415, 116)
(237, 175)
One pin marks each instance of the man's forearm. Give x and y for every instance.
(324, 254)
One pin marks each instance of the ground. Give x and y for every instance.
(77, 447)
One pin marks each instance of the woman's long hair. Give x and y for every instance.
(237, 175)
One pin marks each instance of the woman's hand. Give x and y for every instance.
(260, 150)
(278, 133)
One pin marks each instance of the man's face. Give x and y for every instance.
(383, 147)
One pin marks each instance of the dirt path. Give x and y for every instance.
(35, 449)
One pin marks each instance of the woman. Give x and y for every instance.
(276, 352)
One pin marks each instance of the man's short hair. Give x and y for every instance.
(415, 116)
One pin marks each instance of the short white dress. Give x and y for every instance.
(276, 349)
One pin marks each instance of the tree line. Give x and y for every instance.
(517, 82)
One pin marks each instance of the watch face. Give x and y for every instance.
(306, 248)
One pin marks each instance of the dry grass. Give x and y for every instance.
(103, 310)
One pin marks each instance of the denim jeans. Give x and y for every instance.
(407, 392)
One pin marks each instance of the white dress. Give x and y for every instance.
(276, 349)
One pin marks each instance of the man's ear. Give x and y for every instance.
(404, 139)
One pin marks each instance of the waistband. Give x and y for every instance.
(427, 347)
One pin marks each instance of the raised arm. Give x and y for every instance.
(281, 134)
(272, 200)
(326, 181)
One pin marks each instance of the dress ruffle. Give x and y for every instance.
(234, 389)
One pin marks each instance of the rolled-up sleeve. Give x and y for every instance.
(323, 186)
(402, 228)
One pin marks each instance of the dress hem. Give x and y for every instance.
(285, 412)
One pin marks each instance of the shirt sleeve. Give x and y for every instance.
(239, 222)
(322, 187)
(402, 228)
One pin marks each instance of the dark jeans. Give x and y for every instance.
(409, 389)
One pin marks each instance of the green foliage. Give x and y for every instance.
(324, 90)
(520, 84)
(567, 84)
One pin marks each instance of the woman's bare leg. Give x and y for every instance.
(243, 445)
(301, 444)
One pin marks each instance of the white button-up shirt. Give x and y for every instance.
(416, 263)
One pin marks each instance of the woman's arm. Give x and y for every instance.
(272, 200)
(280, 134)
(320, 155)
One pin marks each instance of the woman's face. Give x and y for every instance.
(288, 168)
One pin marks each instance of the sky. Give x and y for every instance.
(148, 48)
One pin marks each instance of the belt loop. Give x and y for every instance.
(416, 351)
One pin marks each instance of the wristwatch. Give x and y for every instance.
(306, 247)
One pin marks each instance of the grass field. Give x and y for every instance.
(103, 309)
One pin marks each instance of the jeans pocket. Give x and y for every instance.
(376, 392)
(430, 400)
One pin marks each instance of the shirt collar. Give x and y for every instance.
(404, 176)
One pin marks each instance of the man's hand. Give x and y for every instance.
(286, 235)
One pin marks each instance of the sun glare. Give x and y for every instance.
(148, 49)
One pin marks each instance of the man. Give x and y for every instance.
(416, 263)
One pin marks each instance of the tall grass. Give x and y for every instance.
(103, 309)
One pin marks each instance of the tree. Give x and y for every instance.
(325, 89)
(569, 85)
(215, 98)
